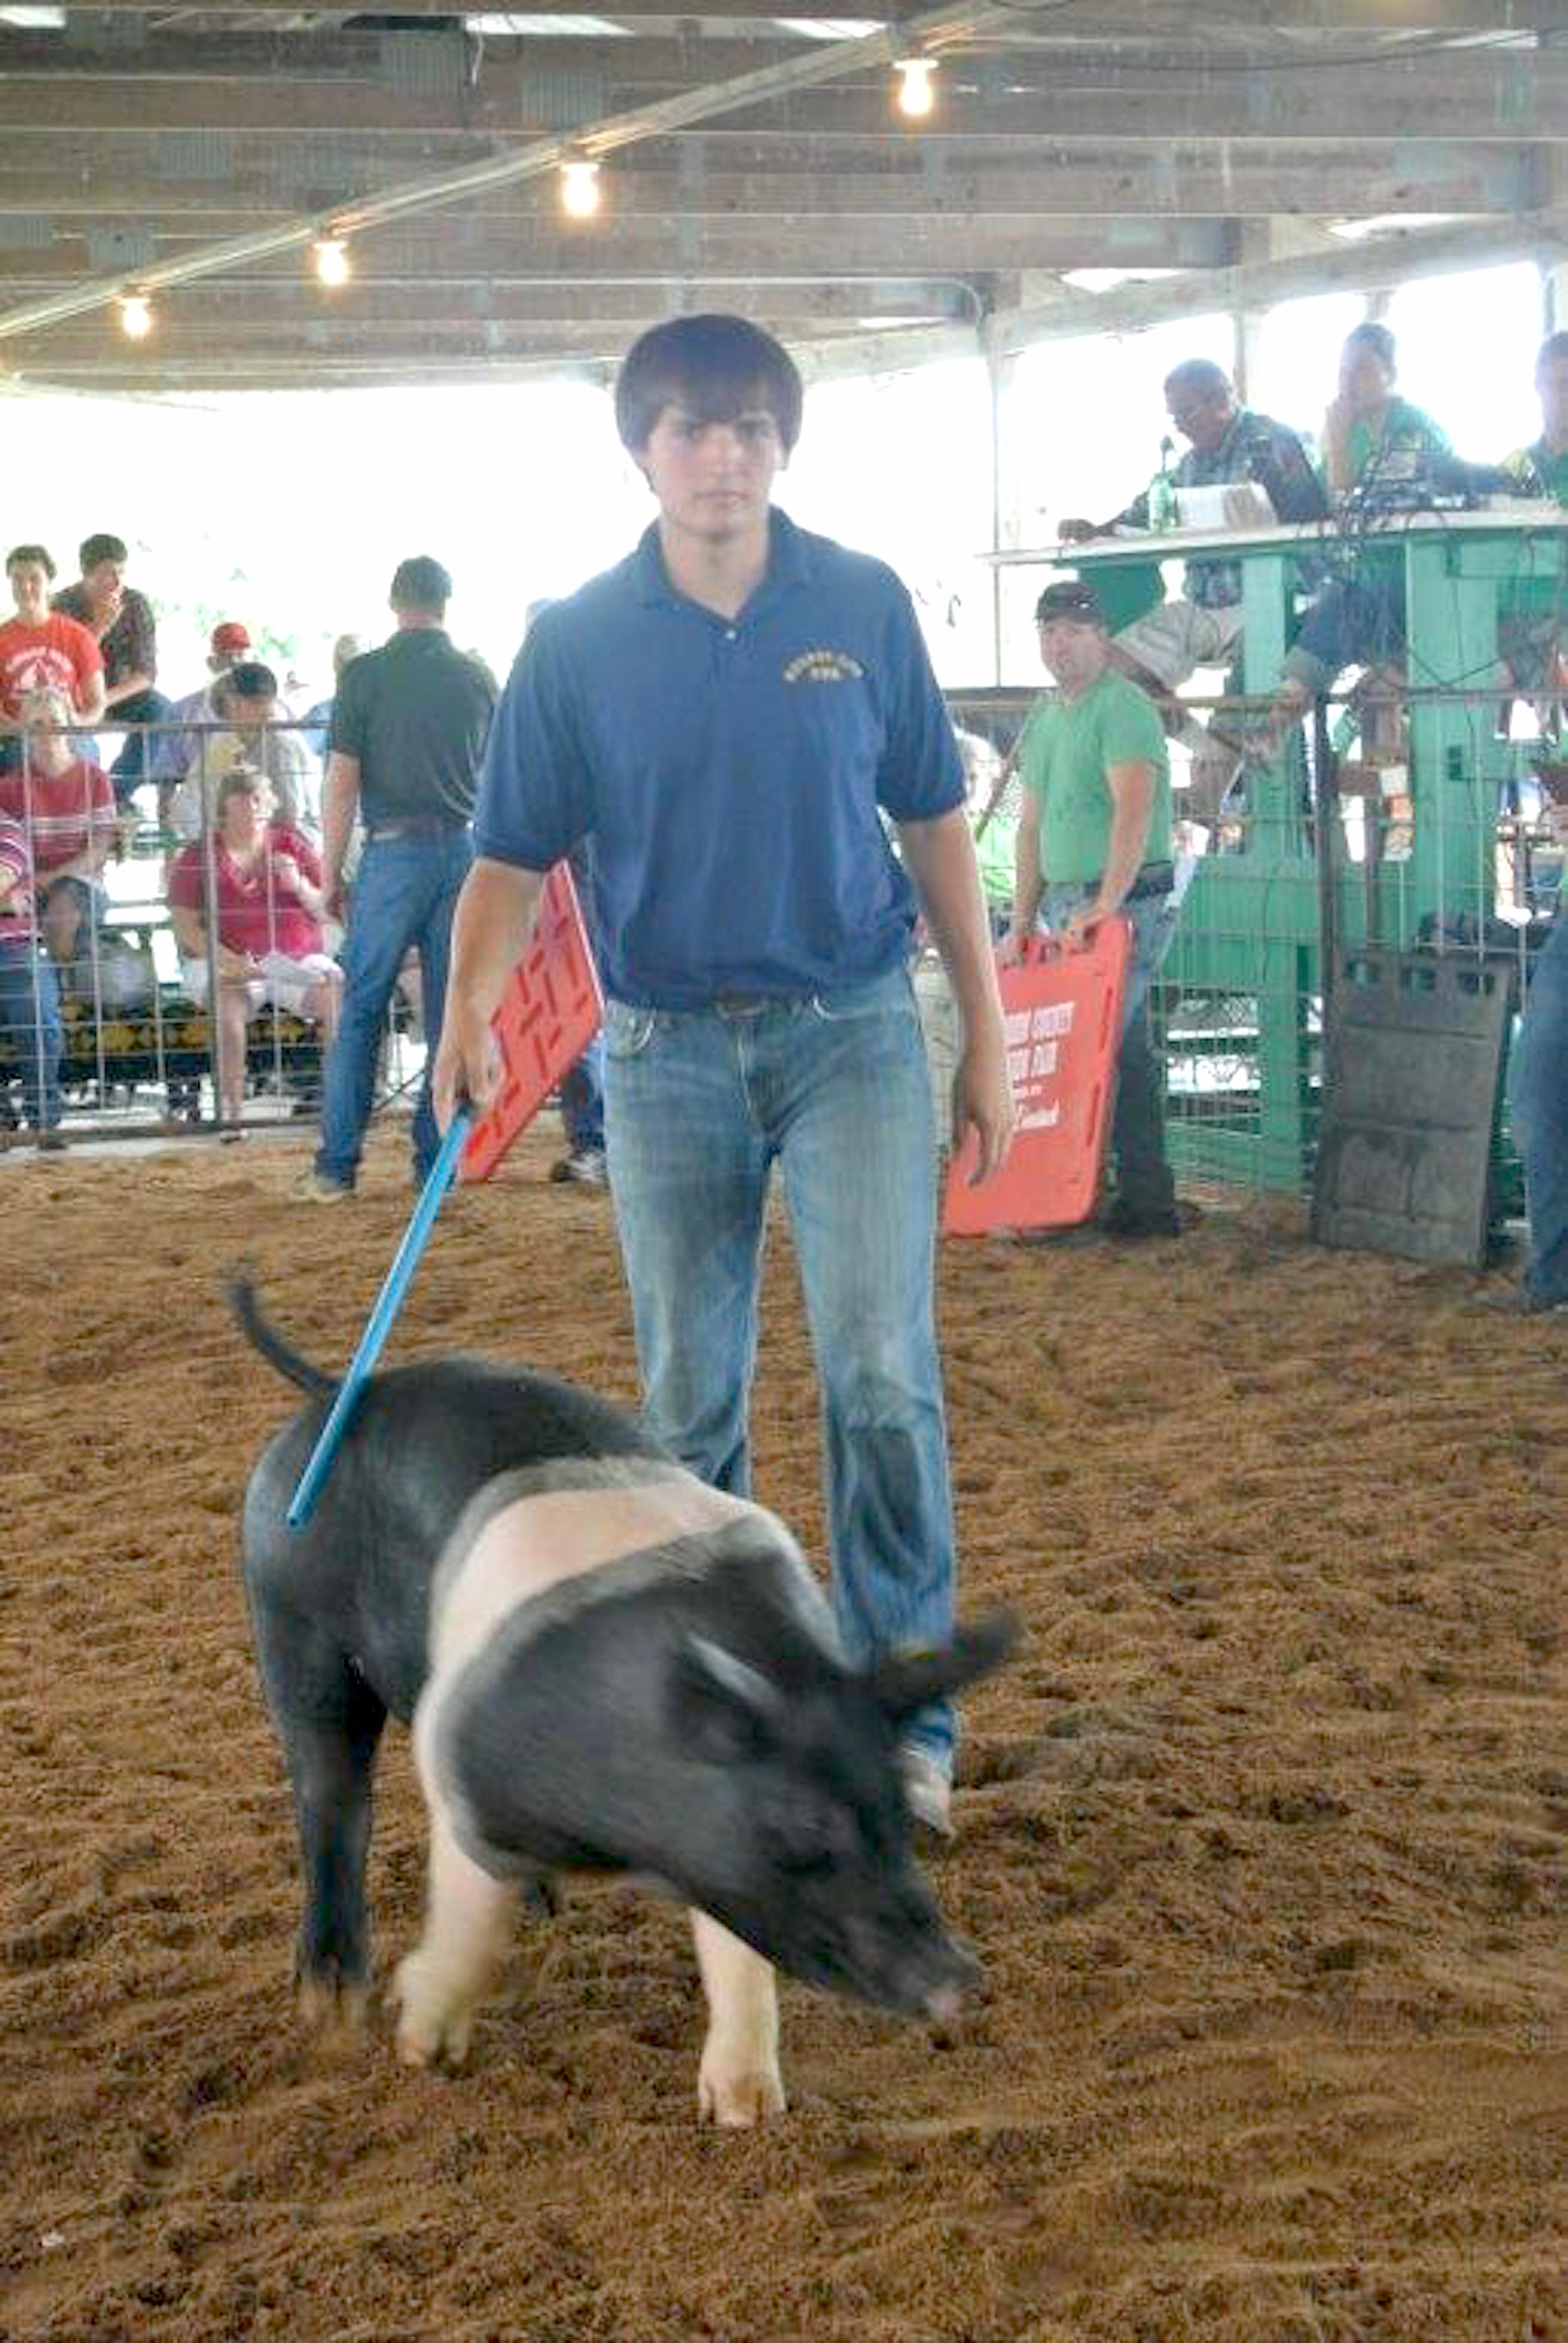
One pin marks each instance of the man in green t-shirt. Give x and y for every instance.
(1094, 842)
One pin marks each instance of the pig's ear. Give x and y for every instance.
(722, 1707)
(907, 1681)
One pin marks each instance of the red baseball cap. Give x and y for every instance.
(229, 635)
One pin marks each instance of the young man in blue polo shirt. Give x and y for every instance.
(729, 713)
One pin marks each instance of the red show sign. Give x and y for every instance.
(550, 1012)
(1061, 1011)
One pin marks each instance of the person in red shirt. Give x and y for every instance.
(43, 650)
(66, 807)
(268, 946)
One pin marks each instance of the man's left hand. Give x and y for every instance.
(983, 1103)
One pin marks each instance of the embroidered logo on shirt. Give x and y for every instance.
(823, 667)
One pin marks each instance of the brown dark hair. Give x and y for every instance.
(715, 364)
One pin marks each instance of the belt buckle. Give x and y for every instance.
(740, 1004)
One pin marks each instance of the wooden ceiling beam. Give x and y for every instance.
(689, 252)
(1473, 94)
(832, 179)
(1375, 20)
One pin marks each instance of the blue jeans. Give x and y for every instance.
(129, 770)
(1354, 623)
(30, 1017)
(1144, 1180)
(404, 895)
(582, 1100)
(1540, 1101)
(698, 1106)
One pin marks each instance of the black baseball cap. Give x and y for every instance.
(1069, 598)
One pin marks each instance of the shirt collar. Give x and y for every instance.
(789, 563)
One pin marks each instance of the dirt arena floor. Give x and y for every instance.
(1262, 1833)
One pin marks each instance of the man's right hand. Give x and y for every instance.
(1078, 532)
(468, 1064)
(1009, 949)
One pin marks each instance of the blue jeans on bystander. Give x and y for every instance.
(403, 897)
(1540, 1101)
(30, 1019)
(698, 1106)
(1144, 1180)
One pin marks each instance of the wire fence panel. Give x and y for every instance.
(113, 1009)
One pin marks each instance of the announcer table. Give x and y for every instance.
(1252, 921)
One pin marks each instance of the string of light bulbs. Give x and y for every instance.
(920, 38)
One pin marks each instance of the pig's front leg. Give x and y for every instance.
(738, 2082)
(468, 1923)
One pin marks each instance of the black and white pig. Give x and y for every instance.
(607, 1664)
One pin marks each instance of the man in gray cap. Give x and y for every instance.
(1094, 843)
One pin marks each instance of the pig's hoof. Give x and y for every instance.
(737, 2096)
(430, 2025)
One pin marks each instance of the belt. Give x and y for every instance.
(385, 831)
(751, 1004)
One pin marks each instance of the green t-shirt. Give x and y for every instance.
(1066, 746)
(1535, 472)
(995, 852)
(1398, 449)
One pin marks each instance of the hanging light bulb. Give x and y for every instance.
(915, 98)
(580, 188)
(330, 254)
(136, 315)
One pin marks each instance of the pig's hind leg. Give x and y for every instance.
(329, 1722)
(738, 2082)
(469, 1920)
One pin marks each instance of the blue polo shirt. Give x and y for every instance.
(730, 773)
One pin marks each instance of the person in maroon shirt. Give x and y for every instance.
(66, 806)
(268, 945)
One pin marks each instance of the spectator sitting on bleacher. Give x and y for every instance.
(245, 700)
(66, 807)
(29, 995)
(174, 751)
(1379, 453)
(120, 621)
(1227, 445)
(269, 941)
(43, 650)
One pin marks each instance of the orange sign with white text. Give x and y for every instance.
(1061, 1011)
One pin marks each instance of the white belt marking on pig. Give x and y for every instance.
(535, 1547)
(547, 1535)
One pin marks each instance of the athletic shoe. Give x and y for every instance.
(928, 1793)
(584, 1166)
(315, 1188)
(1518, 1302)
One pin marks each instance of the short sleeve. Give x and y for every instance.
(186, 892)
(921, 774)
(1032, 748)
(535, 789)
(1132, 732)
(346, 734)
(86, 658)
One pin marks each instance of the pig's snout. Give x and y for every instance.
(917, 1971)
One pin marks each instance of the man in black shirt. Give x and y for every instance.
(408, 728)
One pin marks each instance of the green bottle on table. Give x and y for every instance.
(1162, 512)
